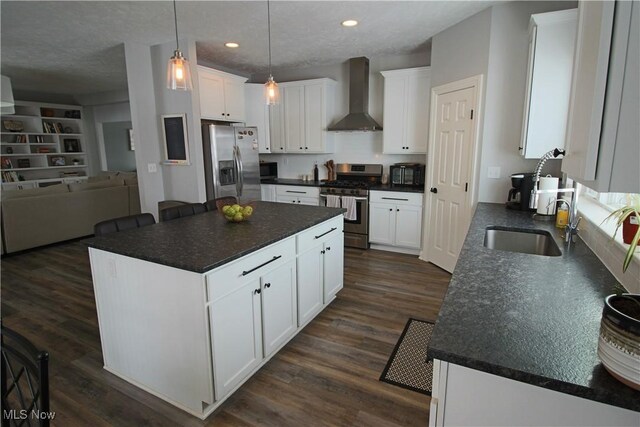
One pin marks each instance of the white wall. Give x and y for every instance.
(146, 129)
(101, 114)
(505, 94)
(181, 182)
(350, 147)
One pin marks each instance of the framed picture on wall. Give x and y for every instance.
(71, 146)
(176, 143)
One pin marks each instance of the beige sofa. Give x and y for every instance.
(40, 216)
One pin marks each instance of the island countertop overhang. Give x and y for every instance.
(206, 241)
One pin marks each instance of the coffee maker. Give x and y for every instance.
(520, 194)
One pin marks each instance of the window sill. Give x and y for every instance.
(597, 235)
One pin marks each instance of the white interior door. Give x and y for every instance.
(451, 153)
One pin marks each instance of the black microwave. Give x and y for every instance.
(408, 174)
(268, 170)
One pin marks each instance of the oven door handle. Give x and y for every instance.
(357, 198)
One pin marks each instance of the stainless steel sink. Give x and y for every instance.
(527, 241)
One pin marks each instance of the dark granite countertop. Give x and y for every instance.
(203, 242)
(379, 187)
(400, 189)
(530, 318)
(291, 181)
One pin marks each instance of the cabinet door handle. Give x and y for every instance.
(394, 198)
(397, 210)
(328, 248)
(257, 291)
(301, 148)
(322, 252)
(390, 210)
(434, 190)
(326, 232)
(267, 285)
(244, 273)
(297, 192)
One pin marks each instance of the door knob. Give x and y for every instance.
(434, 190)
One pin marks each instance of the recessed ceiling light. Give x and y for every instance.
(232, 45)
(349, 23)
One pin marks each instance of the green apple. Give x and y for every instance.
(247, 211)
(238, 217)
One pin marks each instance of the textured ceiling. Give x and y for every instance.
(76, 47)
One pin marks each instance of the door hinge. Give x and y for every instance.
(466, 187)
(471, 114)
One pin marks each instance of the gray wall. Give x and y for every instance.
(116, 145)
(505, 94)
(145, 125)
(494, 43)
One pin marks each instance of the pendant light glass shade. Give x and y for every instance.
(271, 91)
(178, 72)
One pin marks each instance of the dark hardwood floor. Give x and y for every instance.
(327, 375)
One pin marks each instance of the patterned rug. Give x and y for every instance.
(407, 367)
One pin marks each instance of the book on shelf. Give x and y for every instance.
(44, 150)
(10, 176)
(6, 163)
(21, 139)
(24, 163)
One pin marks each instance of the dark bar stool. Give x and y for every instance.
(123, 223)
(182, 211)
(25, 379)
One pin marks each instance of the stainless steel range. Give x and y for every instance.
(354, 180)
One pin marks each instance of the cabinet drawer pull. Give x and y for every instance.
(297, 192)
(394, 198)
(244, 273)
(326, 232)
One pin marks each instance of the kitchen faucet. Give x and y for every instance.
(571, 229)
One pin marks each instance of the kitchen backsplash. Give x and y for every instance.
(350, 147)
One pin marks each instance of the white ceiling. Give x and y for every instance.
(76, 47)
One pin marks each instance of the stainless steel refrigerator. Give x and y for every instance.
(231, 162)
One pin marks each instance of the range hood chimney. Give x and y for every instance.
(358, 118)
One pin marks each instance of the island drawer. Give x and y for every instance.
(319, 233)
(227, 278)
(395, 197)
(298, 191)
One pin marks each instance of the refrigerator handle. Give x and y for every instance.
(237, 163)
(240, 171)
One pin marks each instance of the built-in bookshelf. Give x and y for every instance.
(42, 144)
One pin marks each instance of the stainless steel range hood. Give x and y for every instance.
(358, 118)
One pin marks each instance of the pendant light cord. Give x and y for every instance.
(175, 20)
(269, 30)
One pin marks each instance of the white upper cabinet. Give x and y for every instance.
(258, 114)
(407, 96)
(603, 127)
(221, 95)
(299, 123)
(551, 46)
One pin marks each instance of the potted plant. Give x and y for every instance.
(628, 217)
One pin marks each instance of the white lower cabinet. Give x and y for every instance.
(236, 336)
(268, 192)
(395, 219)
(467, 397)
(279, 314)
(301, 195)
(320, 267)
(250, 323)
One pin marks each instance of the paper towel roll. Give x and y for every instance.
(547, 201)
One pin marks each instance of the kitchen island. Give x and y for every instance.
(516, 339)
(189, 309)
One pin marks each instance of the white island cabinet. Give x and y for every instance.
(193, 337)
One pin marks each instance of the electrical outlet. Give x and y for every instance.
(152, 168)
(494, 172)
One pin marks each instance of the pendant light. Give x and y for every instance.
(178, 72)
(271, 92)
